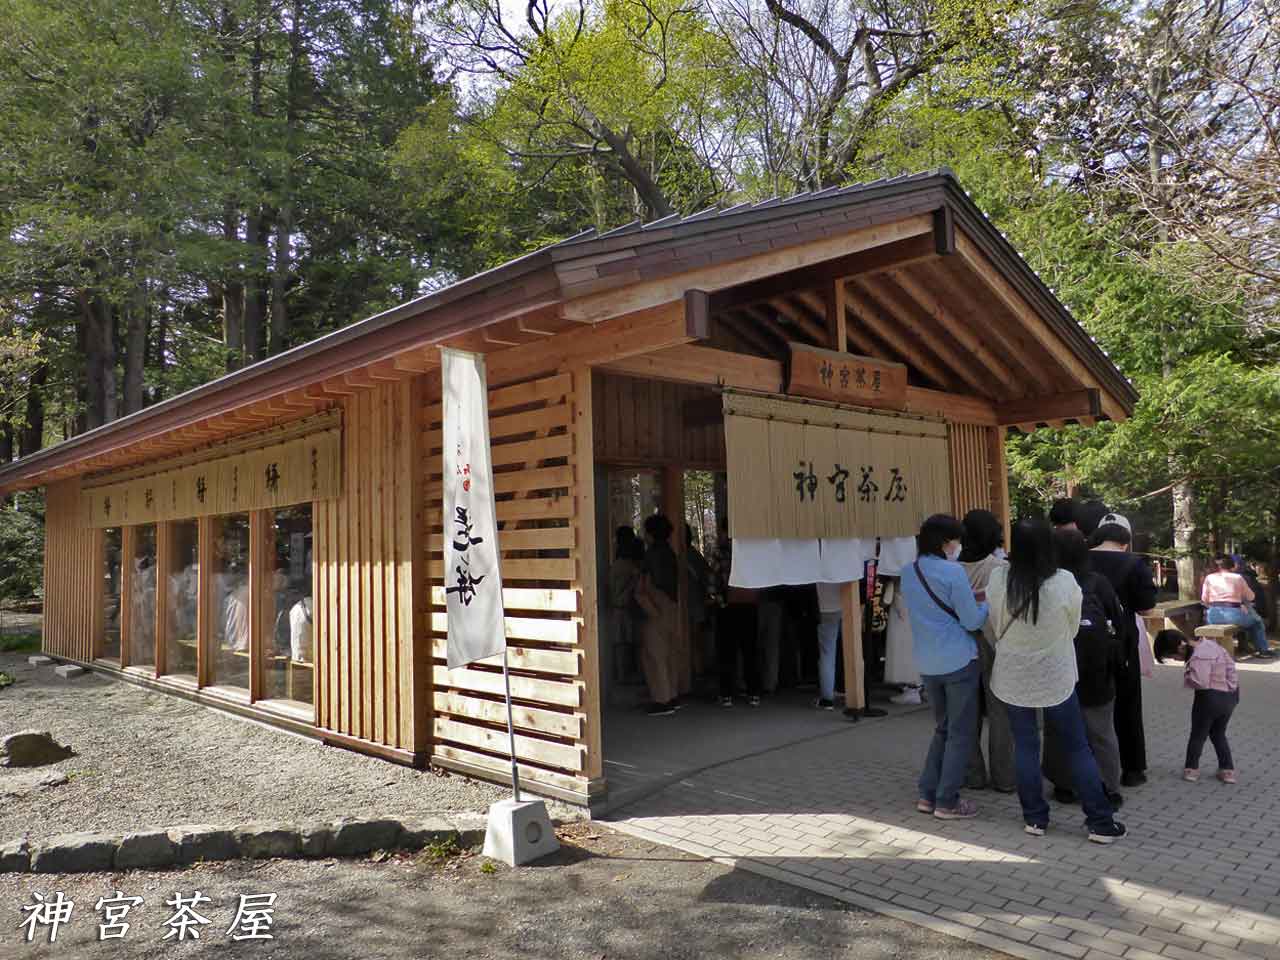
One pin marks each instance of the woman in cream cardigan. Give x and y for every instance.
(1035, 613)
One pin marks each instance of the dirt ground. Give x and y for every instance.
(604, 896)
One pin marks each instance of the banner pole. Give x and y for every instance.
(511, 729)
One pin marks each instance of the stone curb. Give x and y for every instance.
(196, 843)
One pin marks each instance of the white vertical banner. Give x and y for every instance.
(473, 578)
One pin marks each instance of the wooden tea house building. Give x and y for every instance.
(270, 543)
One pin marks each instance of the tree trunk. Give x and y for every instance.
(135, 349)
(31, 436)
(257, 232)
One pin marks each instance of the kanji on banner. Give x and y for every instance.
(473, 579)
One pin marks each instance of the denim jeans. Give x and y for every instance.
(828, 638)
(1247, 620)
(1066, 723)
(954, 697)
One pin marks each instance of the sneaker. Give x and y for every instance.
(874, 712)
(909, 697)
(1133, 778)
(676, 704)
(661, 710)
(1191, 776)
(821, 704)
(1033, 830)
(726, 702)
(924, 806)
(753, 701)
(963, 810)
(1265, 654)
(1227, 776)
(1108, 834)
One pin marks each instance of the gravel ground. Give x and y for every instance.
(604, 895)
(147, 759)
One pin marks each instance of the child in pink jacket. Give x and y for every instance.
(1211, 673)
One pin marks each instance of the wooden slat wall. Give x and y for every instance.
(644, 421)
(363, 548)
(536, 456)
(72, 575)
(970, 472)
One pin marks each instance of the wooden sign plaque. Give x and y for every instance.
(846, 378)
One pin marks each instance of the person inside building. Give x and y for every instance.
(944, 613)
(899, 657)
(735, 625)
(697, 579)
(657, 593)
(1130, 577)
(624, 575)
(983, 535)
(1227, 597)
(1097, 655)
(1063, 514)
(830, 611)
(1035, 615)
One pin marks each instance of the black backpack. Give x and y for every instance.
(1096, 648)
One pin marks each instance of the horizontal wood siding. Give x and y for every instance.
(363, 549)
(970, 472)
(644, 421)
(73, 571)
(534, 457)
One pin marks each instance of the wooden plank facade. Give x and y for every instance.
(607, 352)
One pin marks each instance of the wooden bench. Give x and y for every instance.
(1181, 615)
(1225, 634)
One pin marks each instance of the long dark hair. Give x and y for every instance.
(1073, 552)
(982, 535)
(1032, 561)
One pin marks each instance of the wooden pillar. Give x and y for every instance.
(584, 522)
(164, 560)
(837, 336)
(851, 646)
(999, 468)
(204, 599)
(97, 617)
(259, 582)
(128, 543)
(415, 584)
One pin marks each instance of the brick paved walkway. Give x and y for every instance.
(1198, 876)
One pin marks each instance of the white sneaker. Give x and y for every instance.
(909, 697)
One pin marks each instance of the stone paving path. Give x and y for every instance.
(1198, 876)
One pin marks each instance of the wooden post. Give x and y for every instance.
(97, 619)
(128, 543)
(851, 645)
(259, 580)
(836, 322)
(164, 560)
(204, 600)
(999, 479)
(584, 494)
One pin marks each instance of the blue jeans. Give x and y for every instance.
(828, 637)
(1247, 620)
(1066, 723)
(954, 697)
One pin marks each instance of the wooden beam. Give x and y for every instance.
(1004, 290)
(799, 315)
(1000, 505)
(584, 494)
(418, 360)
(837, 337)
(953, 407)
(851, 645)
(822, 275)
(747, 327)
(644, 331)
(206, 553)
(703, 365)
(604, 305)
(1061, 406)
(869, 313)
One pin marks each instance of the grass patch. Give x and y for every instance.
(5, 680)
(442, 851)
(20, 643)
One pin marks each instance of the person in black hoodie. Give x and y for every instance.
(1131, 578)
(1097, 661)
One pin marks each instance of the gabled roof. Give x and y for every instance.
(578, 267)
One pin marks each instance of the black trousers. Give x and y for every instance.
(736, 632)
(1129, 732)
(1210, 713)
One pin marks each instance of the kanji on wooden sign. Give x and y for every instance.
(846, 378)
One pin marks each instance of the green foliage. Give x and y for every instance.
(22, 548)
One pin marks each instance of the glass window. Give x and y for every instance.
(142, 610)
(182, 582)
(229, 664)
(110, 649)
(288, 670)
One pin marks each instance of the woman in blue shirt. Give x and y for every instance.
(943, 613)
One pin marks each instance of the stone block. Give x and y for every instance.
(355, 838)
(151, 848)
(69, 670)
(315, 839)
(15, 857)
(519, 832)
(196, 842)
(74, 853)
(264, 840)
(418, 834)
(31, 748)
(39, 660)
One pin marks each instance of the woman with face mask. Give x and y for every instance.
(944, 612)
